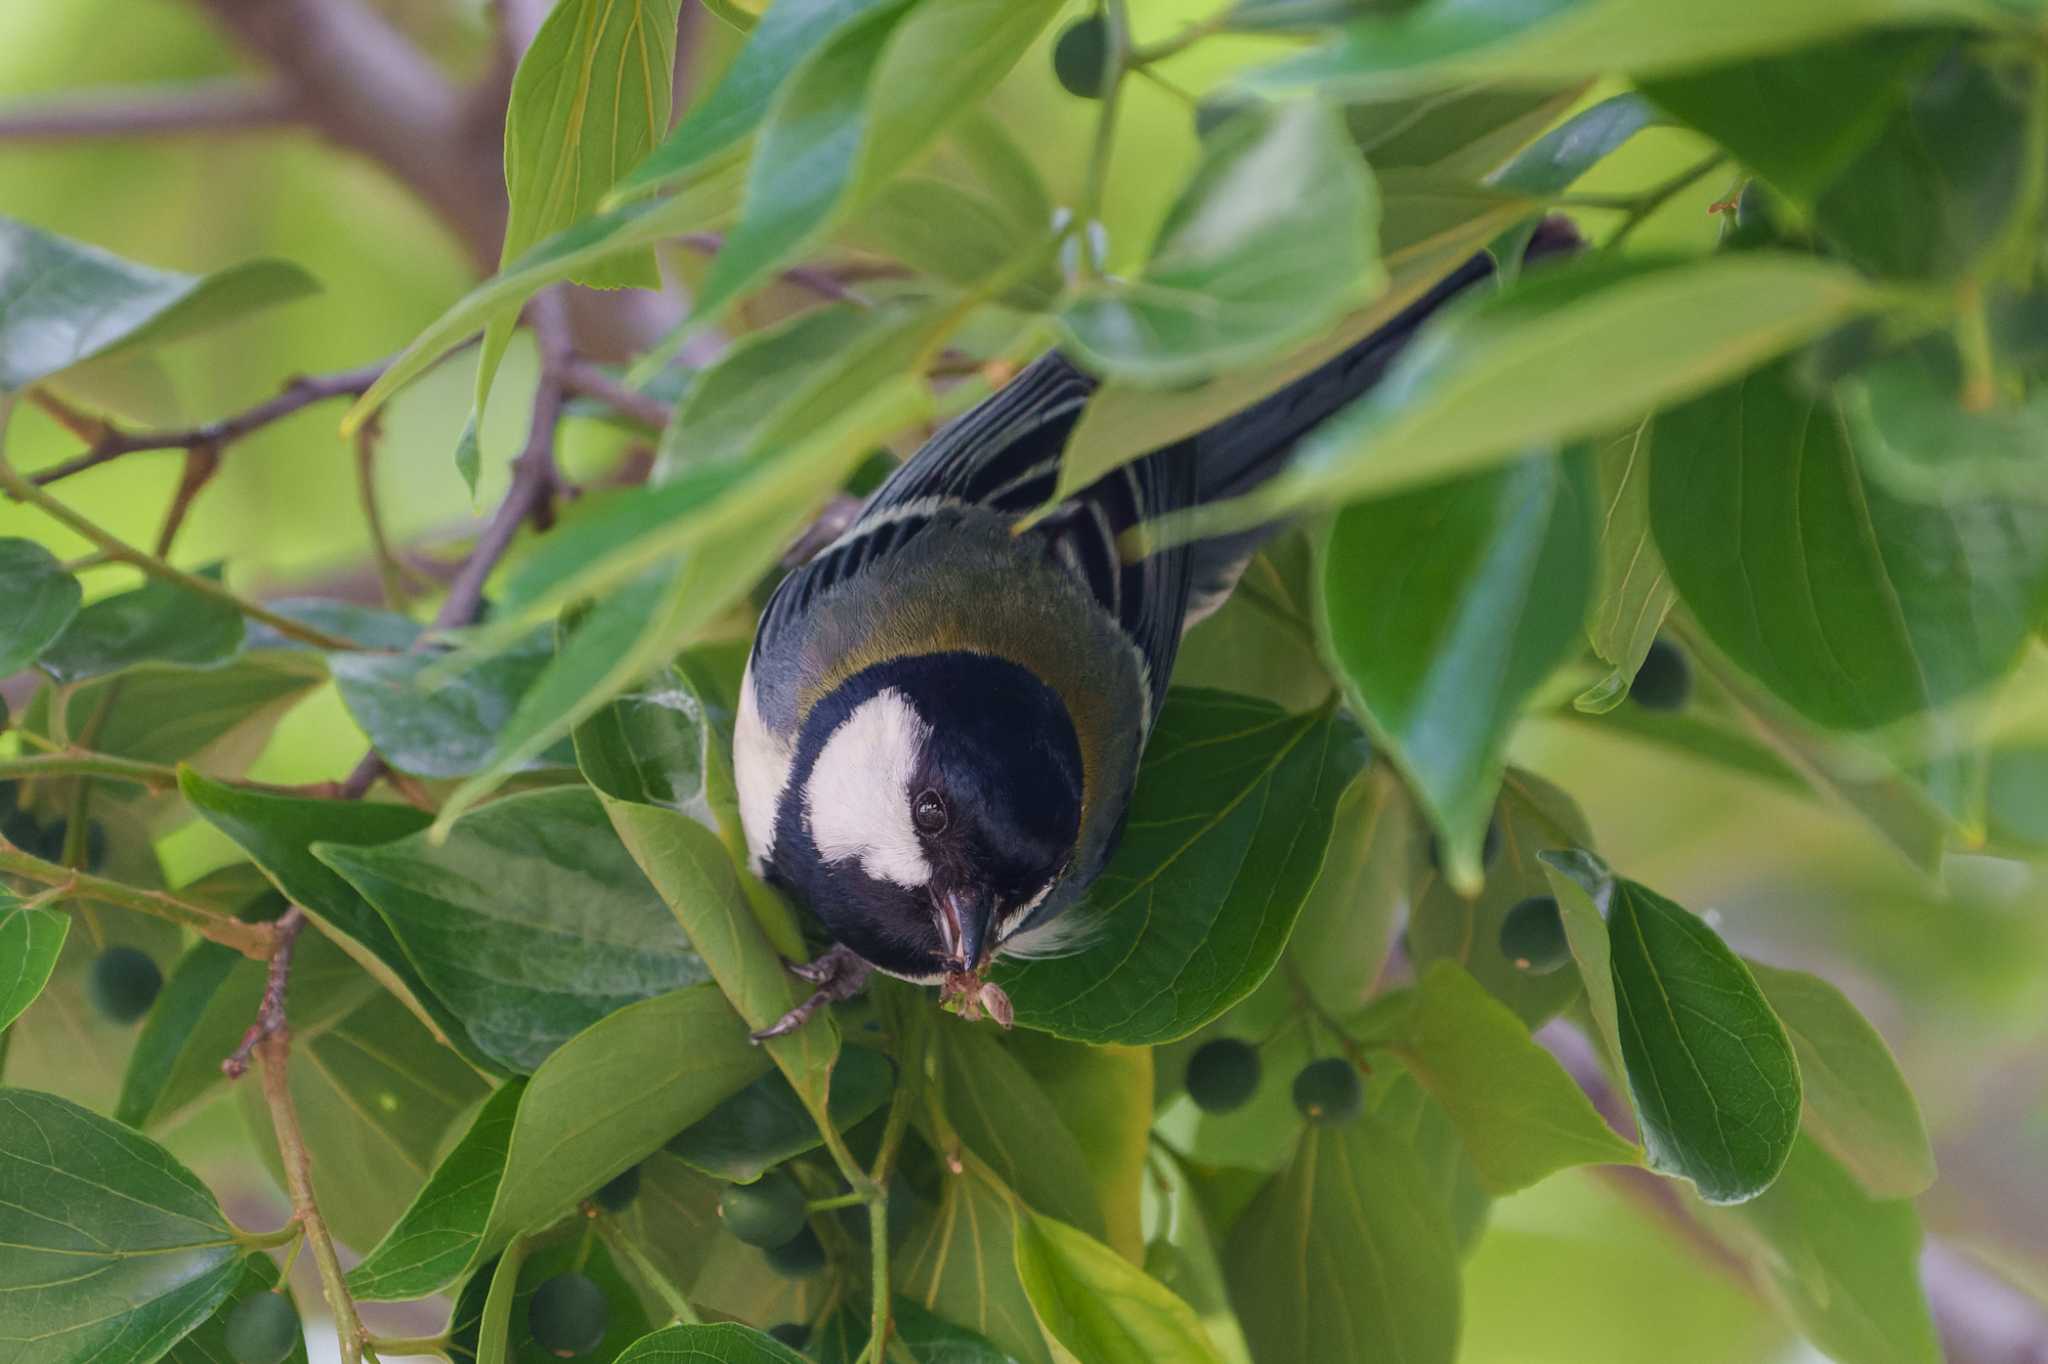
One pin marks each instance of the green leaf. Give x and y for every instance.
(37, 600)
(1584, 889)
(530, 922)
(2016, 795)
(786, 37)
(1444, 609)
(1521, 1116)
(427, 723)
(1396, 1098)
(1532, 817)
(1554, 162)
(1776, 540)
(930, 1339)
(1799, 118)
(674, 1223)
(1635, 591)
(115, 1250)
(30, 941)
(1858, 1107)
(1429, 226)
(196, 1022)
(1225, 837)
(1347, 927)
(1481, 383)
(561, 1250)
(209, 1344)
(278, 833)
(1270, 241)
(1104, 1098)
(1347, 1254)
(959, 235)
(1713, 1075)
(1845, 1267)
(766, 1123)
(605, 1100)
(668, 743)
(63, 302)
(1940, 186)
(1427, 44)
(961, 1263)
(1004, 1116)
(156, 622)
(723, 1342)
(1914, 432)
(1099, 1306)
(1467, 132)
(221, 715)
(877, 93)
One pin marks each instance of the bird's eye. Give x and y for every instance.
(929, 812)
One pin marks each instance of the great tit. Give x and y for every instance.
(942, 716)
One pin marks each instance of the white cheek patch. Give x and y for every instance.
(857, 801)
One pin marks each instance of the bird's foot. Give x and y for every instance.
(839, 975)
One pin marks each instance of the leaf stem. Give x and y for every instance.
(1139, 57)
(1973, 344)
(1117, 29)
(409, 1345)
(288, 1234)
(77, 763)
(24, 490)
(626, 1249)
(274, 1052)
(1647, 202)
(835, 1202)
(251, 940)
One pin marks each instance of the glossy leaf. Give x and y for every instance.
(1104, 1097)
(1444, 609)
(723, 1342)
(1635, 592)
(1347, 1255)
(1481, 384)
(1799, 118)
(1521, 1115)
(1858, 1107)
(766, 1123)
(115, 1250)
(63, 302)
(1270, 241)
(1714, 1078)
(278, 833)
(30, 941)
(433, 725)
(530, 922)
(1842, 1265)
(37, 600)
(209, 1344)
(1777, 541)
(1004, 1116)
(1225, 838)
(221, 714)
(1533, 817)
(156, 622)
(1099, 1306)
(667, 743)
(960, 1263)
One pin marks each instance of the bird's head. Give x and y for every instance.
(934, 803)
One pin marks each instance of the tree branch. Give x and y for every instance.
(270, 1015)
(251, 940)
(210, 107)
(275, 1051)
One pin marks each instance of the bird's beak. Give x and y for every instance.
(964, 920)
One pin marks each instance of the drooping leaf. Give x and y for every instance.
(156, 622)
(1196, 903)
(37, 600)
(1481, 383)
(1347, 1255)
(1521, 1115)
(63, 302)
(1858, 1106)
(115, 1250)
(1444, 608)
(1845, 1267)
(530, 922)
(1777, 542)
(1713, 1076)
(1635, 591)
(1270, 241)
(766, 1123)
(432, 725)
(1584, 889)
(960, 1263)
(1098, 1305)
(30, 941)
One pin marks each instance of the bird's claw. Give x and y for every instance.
(839, 975)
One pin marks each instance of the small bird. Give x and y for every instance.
(942, 715)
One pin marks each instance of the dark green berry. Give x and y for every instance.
(19, 827)
(1329, 1090)
(766, 1213)
(1223, 1075)
(794, 1334)
(1081, 57)
(50, 842)
(263, 1329)
(568, 1315)
(123, 983)
(618, 1195)
(799, 1257)
(1664, 682)
(1532, 936)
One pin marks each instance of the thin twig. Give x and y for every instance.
(212, 107)
(202, 462)
(270, 1016)
(587, 380)
(391, 571)
(823, 283)
(110, 443)
(275, 1051)
(251, 940)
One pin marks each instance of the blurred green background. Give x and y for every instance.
(1955, 975)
